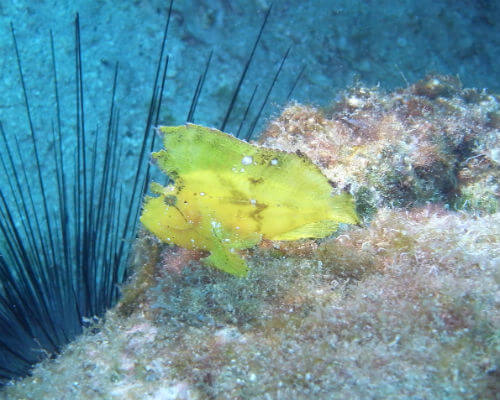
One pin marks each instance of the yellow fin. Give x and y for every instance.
(227, 261)
(313, 230)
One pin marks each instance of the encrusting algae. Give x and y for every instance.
(229, 194)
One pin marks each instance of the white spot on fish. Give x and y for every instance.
(215, 224)
(247, 160)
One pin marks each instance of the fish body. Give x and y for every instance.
(229, 194)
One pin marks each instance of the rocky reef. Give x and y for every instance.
(432, 142)
(405, 305)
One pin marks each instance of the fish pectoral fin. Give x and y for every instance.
(250, 240)
(224, 259)
(313, 230)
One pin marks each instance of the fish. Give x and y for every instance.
(227, 195)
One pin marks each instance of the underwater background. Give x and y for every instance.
(339, 43)
(347, 61)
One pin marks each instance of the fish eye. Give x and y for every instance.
(170, 200)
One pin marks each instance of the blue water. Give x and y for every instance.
(340, 43)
